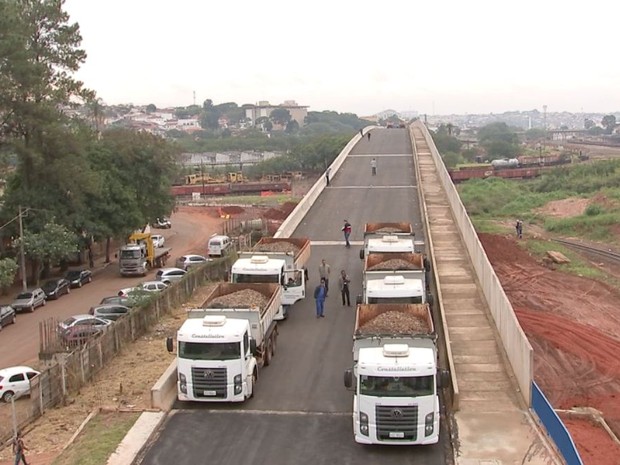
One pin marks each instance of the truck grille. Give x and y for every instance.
(396, 423)
(210, 382)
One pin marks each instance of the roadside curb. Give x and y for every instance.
(136, 438)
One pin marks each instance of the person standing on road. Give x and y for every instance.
(346, 229)
(373, 166)
(319, 296)
(324, 270)
(368, 134)
(327, 176)
(362, 132)
(344, 288)
(19, 448)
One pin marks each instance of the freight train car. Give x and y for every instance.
(231, 188)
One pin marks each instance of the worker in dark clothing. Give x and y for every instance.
(344, 282)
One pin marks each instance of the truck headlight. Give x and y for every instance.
(363, 423)
(428, 424)
(238, 386)
(183, 383)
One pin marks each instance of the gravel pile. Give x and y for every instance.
(388, 230)
(393, 322)
(241, 299)
(277, 247)
(392, 265)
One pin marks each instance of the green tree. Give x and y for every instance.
(151, 108)
(498, 140)
(609, 123)
(53, 244)
(8, 271)
(280, 116)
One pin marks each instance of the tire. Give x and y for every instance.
(90, 279)
(80, 284)
(7, 396)
(268, 349)
(14, 320)
(274, 339)
(0, 326)
(31, 309)
(68, 290)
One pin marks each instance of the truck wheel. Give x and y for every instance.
(254, 379)
(274, 338)
(267, 360)
(362, 254)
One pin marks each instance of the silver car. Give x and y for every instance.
(29, 300)
(188, 261)
(7, 316)
(170, 275)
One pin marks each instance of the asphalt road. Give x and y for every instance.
(23, 337)
(301, 412)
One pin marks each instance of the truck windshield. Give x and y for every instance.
(395, 300)
(394, 386)
(210, 351)
(131, 253)
(256, 278)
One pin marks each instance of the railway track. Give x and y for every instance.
(599, 252)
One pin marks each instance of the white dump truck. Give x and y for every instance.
(222, 345)
(395, 278)
(276, 260)
(389, 237)
(395, 375)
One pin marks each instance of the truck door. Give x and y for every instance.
(294, 286)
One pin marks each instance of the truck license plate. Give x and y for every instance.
(397, 435)
(209, 393)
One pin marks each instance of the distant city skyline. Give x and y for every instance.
(472, 57)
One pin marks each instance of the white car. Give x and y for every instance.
(170, 275)
(187, 261)
(153, 286)
(15, 381)
(158, 240)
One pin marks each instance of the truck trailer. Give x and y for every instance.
(222, 345)
(276, 260)
(395, 375)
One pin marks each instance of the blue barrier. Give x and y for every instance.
(554, 426)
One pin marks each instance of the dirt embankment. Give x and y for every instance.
(573, 325)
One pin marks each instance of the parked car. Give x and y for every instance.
(158, 240)
(154, 286)
(162, 223)
(118, 300)
(79, 328)
(79, 277)
(187, 261)
(110, 311)
(7, 316)
(54, 288)
(29, 300)
(15, 381)
(170, 275)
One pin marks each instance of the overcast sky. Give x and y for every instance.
(436, 57)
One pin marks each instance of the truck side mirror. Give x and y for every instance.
(253, 346)
(169, 345)
(362, 254)
(348, 378)
(427, 264)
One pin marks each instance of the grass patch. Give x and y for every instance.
(98, 440)
(577, 266)
(490, 226)
(254, 199)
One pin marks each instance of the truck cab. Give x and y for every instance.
(396, 399)
(214, 360)
(394, 289)
(390, 244)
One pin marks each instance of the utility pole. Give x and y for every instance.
(22, 257)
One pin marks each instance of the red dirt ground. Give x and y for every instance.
(573, 325)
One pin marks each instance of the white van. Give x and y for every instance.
(218, 246)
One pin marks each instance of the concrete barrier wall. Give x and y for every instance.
(517, 347)
(164, 391)
(290, 224)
